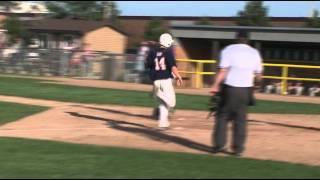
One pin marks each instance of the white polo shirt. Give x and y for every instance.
(243, 62)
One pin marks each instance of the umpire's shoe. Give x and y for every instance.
(236, 154)
(237, 151)
(216, 150)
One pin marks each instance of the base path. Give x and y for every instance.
(143, 87)
(288, 138)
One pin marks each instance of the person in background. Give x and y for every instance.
(86, 60)
(270, 88)
(314, 90)
(65, 59)
(75, 63)
(140, 60)
(299, 88)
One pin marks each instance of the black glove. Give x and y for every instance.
(214, 104)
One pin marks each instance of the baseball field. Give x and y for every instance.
(77, 128)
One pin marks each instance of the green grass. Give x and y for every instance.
(10, 111)
(22, 158)
(34, 89)
(34, 159)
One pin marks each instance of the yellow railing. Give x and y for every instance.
(284, 75)
(199, 69)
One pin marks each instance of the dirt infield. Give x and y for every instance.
(289, 138)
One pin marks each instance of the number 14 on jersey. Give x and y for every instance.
(160, 63)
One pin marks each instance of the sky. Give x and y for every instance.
(213, 8)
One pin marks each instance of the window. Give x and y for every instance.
(282, 54)
(306, 55)
(275, 54)
(296, 54)
(316, 56)
(68, 40)
(287, 54)
(270, 54)
(291, 54)
(43, 38)
(266, 54)
(301, 57)
(311, 55)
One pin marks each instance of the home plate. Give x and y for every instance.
(178, 128)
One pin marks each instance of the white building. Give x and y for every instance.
(26, 10)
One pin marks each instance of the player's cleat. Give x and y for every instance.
(164, 128)
(171, 113)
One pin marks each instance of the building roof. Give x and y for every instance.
(283, 34)
(68, 25)
(249, 28)
(215, 18)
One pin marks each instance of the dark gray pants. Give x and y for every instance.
(233, 107)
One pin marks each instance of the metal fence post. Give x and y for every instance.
(285, 72)
(199, 69)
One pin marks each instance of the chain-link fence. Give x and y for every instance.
(73, 63)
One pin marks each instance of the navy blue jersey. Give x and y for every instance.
(160, 62)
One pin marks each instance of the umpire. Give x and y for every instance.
(239, 65)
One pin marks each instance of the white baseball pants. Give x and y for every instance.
(164, 91)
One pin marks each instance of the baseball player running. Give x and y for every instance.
(162, 69)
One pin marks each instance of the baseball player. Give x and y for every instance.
(162, 68)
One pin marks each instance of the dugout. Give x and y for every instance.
(280, 45)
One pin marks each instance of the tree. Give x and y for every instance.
(15, 29)
(153, 30)
(13, 25)
(58, 9)
(110, 10)
(86, 10)
(314, 21)
(254, 14)
(8, 5)
(203, 21)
